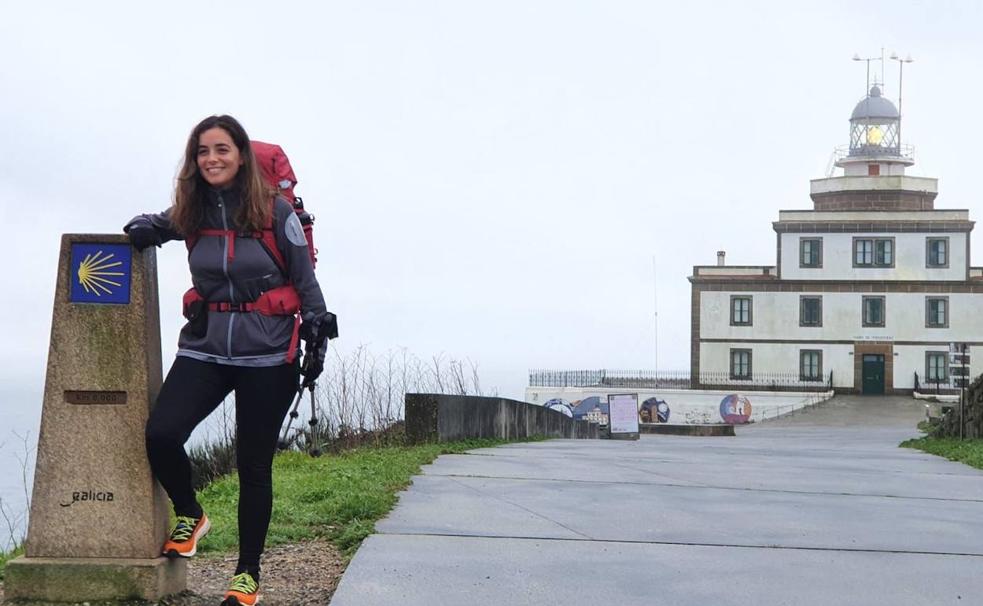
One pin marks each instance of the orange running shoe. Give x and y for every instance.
(243, 591)
(185, 536)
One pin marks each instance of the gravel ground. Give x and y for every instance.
(303, 574)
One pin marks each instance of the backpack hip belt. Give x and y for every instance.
(280, 301)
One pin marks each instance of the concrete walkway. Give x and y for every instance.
(821, 508)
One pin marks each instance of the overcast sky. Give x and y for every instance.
(491, 180)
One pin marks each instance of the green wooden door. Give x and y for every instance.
(873, 374)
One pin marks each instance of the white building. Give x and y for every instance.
(871, 285)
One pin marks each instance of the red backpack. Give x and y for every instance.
(276, 169)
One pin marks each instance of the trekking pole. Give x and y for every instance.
(282, 443)
(316, 450)
(313, 448)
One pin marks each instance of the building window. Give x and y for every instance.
(873, 311)
(884, 253)
(873, 252)
(936, 312)
(740, 310)
(936, 367)
(811, 365)
(811, 252)
(863, 252)
(810, 311)
(740, 364)
(937, 252)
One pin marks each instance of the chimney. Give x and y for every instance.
(720, 258)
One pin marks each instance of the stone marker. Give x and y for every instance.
(98, 518)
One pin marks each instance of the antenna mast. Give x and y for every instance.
(655, 301)
(901, 62)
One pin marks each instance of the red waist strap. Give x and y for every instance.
(281, 301)
(237, 307)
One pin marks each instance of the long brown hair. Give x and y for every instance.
(190, 192)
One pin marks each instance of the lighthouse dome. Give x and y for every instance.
(875, 107)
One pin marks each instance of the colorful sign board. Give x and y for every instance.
(100, 273)
(735, 409)
(654, 410)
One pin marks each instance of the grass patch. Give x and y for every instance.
(9, 555)
(338, 496)
(969, 452)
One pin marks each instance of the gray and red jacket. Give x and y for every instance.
(231, 271)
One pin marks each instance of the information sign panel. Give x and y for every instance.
(623, 413)
(959, 364)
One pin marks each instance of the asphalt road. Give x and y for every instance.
(818, 508)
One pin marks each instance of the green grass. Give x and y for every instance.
(9, 555)
(969, 452)
(338, 497)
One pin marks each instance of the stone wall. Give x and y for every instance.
(443, 418)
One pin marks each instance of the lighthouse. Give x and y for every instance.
(875, 139)
(867, 288)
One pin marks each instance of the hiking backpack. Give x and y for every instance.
(275, 167)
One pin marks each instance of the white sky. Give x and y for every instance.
(491, 179)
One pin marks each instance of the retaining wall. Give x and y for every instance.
(691, 406)
(443, 418)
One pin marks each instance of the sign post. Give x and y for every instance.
(959, 373)
(98, 518)
(623, 416)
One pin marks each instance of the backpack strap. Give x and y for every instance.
(190, 240)
(266, 237)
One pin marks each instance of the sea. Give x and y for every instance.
(20, 419)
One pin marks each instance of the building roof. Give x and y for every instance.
(587, 404)
(874, 106)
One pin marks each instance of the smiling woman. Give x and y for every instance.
(219, 155)
(252, 277)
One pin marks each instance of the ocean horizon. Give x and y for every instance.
(20, 409)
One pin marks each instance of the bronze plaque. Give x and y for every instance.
(96, 397)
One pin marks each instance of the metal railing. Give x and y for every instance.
(941, 386)
(681, 379)
(841, 152)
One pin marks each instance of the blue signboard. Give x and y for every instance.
(100, 273)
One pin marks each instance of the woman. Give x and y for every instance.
(230, 342)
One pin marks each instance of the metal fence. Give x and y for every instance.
(681, 379)
(938, 386)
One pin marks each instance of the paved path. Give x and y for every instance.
(820, 508)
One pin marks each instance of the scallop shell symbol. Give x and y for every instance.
(94, 273)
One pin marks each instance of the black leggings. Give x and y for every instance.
(192, 390)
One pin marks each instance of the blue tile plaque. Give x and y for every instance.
(100, 273)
